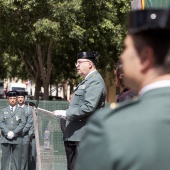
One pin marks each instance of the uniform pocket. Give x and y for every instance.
(6, 117)
(79, 94)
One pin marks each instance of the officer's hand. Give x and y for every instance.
(60, 113)
(10, 135)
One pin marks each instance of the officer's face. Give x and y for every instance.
(12, 101)
(118, 79)
(83, 67)
(131, 64)
(21, 100)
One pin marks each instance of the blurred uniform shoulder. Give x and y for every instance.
(115, 108)
(119, 106)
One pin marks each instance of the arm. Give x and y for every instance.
(90, 100)
(31, 131)
(3, 126)
(29, 121)
(21, 124)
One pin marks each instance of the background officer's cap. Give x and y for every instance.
(149, 19)
(30, 103)
(12, 94)
(87, 55)
(22, 93)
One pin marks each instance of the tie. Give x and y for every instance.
(11, 109)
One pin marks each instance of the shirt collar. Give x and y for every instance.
(90, 73)
(21, 106)
(155, 85)
(12, 107)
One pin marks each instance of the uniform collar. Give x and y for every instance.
(155, 85)
(90, 74)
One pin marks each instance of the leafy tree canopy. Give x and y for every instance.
(43, 37)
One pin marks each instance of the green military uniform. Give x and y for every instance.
(11, 122)
(88, 96)
(134, 136)
(26, 137)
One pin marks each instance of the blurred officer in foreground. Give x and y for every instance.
(126, 93)
(89, 96)
(26, 129)
(12, 121)
(135, 135)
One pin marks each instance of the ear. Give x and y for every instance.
(147, 58)
(90, 64)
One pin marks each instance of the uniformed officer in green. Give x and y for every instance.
(88, 97)
(26, 129)
(136, 135)
(12, 121)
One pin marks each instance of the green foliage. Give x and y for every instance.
(72, 26)
(46, 28)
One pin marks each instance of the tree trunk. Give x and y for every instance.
(56, 90)
(41, 71)
(65, 87)
(33, 70)
(46, 93)
(44, 58)
(37, 88)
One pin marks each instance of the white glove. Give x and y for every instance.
(10, 135)
(60, 113)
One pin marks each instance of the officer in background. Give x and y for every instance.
(26, 129)
(12, 122)
(135, 135)
(126, 93)
(89, 96)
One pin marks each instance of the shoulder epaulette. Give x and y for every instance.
(118, 106)
(94, 75)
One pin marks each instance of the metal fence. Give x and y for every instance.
(53, 158)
